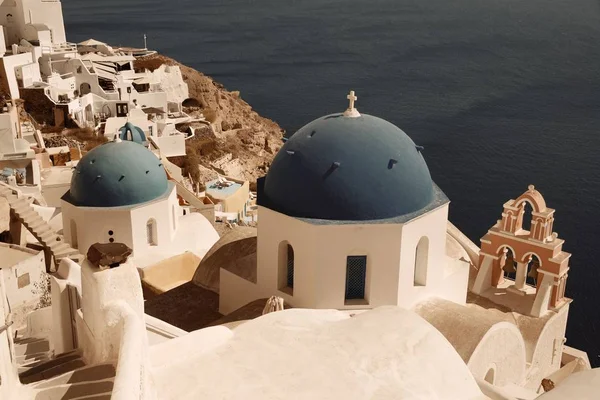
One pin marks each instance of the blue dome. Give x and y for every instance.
(117, 174)
(348, 169)
(136, 134)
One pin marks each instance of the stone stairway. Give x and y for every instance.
(39, 228)
(61, 377)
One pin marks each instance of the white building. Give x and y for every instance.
(33, 20)
(350, 219)
(362, 249)
(120, 193)
(23, 273)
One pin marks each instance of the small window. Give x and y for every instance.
(421, 257)
(290, 266)
(151, 232)
(356, 277)
(23, 280)
(286, 268)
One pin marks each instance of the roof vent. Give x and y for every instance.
(391, 163)
(419, 148)
(334, 165)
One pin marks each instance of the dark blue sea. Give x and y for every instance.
(502, 93)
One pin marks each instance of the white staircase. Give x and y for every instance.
(39, 228)
(61, 377)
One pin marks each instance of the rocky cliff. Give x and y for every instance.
(239, 142)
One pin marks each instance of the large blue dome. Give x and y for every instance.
(116, 174)
(348, 169)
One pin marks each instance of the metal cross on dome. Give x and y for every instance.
(351, 111)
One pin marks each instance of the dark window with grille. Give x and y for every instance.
(290, 266)
(356, 275)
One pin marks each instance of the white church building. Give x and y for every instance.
(350, 219)
(120, 193)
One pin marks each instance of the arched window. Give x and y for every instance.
(151, 232)
(527, 216)
(532, 270)
(286, 267)
(421, 262)
(290, 266)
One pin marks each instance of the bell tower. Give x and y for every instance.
(535, 254)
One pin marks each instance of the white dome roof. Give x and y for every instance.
(386, 353)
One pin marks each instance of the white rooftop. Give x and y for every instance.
(11, 255)
(387, 353)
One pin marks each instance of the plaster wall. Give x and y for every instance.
(8, 130)
(9, 380)
(320, 260)
(64, 85)
(502, 350)
(63, 320)
(548, 348)
(28, 74)
(25, 281)
(92, 225)
(456, 281)
(8, 20)
(45, 12)
(171, 82)
(33, 33)
(61, 336)
(8, 70)
(101, 289)
(150, 99)
(320, 256)
(166, 213)
(80, 103)
(236, 292)
(331, 245)
(433, 227)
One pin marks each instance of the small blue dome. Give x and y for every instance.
(117, 174)
(348, 169)
(132, 133)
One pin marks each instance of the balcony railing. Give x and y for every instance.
(60, 48)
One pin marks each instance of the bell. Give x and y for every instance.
(533, 270)
(509, 266)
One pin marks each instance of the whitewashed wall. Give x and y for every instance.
(320, 255)
(24, 282)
